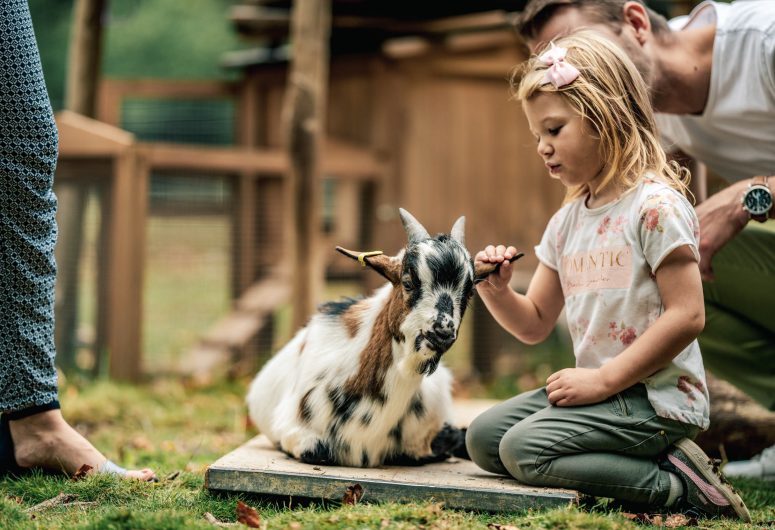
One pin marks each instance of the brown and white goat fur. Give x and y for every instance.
(362, 384)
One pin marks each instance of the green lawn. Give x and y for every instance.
(179, 430)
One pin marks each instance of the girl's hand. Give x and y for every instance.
(496, 254)
(576, 386)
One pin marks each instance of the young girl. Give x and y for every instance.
(621, 256)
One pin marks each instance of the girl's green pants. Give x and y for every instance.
(609, 449)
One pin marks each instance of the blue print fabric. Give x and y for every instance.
(28, 153)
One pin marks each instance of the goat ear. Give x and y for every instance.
(483, 270)
(387, 266)
(458, 230)
(414, 230)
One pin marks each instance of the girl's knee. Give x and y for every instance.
(520, 454)
(482, 441)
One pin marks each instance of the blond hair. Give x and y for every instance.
(611, 96)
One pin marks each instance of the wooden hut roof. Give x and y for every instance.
(368, 26)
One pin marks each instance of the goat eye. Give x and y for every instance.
(407, 285)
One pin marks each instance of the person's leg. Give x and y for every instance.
(608, 449)
(37, 434)
(619, 448)
(738, 342)
(484, 435)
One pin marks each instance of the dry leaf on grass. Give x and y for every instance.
(82, 472)
(352, 494)
(173, 475)
(248, 515)
(496, 526)
(679, 519)
(671, 521)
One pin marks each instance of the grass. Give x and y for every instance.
(179, 430)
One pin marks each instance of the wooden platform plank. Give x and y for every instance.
(257, 467)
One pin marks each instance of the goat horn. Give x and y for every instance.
(458, 230)
(414, 229)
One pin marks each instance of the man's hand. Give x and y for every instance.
(721, 218)
(576, 386)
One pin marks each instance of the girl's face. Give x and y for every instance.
(568, 146)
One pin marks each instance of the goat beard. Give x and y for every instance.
(428, 366)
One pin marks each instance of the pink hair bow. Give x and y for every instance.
(559, 73)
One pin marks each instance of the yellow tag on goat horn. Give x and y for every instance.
(364, 255)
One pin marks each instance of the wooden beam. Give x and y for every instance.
(304, 127)
(224, 159)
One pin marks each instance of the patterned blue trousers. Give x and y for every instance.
(28, 153)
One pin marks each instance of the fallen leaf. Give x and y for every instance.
(352, 494)
(496, 526)
(655, 520)
(82, 472)
(173, 475)
(678, 519)
(248, 515)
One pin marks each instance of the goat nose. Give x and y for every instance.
(444, 331)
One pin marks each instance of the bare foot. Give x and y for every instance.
(46, 440)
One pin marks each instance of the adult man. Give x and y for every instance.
(712, 79)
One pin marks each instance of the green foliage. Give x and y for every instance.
(167, 39)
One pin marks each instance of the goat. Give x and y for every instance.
(361, 384)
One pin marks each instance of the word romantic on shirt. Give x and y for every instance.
(603, 268)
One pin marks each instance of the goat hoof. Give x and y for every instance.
(449, 441)
(320, 454)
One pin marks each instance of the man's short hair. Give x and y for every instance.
(609, 12)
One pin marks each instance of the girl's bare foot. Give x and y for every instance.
(45, 440)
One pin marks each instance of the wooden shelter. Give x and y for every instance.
(425, 90)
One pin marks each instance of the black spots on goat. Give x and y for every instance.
(364, 459)
(305, 412)
(417, 407)
(418, 340)
(465, 296)
(366, 419)
(412, 284)
(337, 308)
(447, 263)
(397, 432)
(444, 304)
(320, 454)
(343, 404)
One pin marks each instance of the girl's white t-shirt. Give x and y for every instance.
(606, 259)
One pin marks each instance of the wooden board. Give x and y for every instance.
(257, 467)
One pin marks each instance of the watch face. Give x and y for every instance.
(758, 200)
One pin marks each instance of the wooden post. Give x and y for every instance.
(83, 74)
(129, 205)
(304, 128)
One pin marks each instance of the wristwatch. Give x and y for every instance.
(757, 199)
